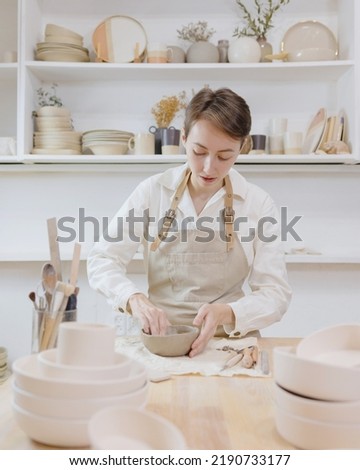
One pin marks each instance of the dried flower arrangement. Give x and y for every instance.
(167, 108)
(261, 21)
(48, 98)
(195, 32)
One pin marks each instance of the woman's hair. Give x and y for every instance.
(224, 108)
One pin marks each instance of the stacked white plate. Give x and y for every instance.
(61, 44)
(53, 401)
(317, 390)
(55, 133)
(106, 142)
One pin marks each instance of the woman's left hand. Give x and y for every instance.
(208, 318)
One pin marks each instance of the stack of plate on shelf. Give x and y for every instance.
(55, 134)
(317, 389)
(57, 391)
(106, 142)
(61, 44)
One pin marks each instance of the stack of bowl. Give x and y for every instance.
(61, 44)
(54, 132)
(57, 391)
(317, 389)
(4, 371)
(106, 142)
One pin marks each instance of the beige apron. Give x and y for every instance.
(185, 274)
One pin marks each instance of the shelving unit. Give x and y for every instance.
(324, 189)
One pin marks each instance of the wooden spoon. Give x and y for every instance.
(49, 279)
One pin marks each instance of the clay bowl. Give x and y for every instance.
(176, 342)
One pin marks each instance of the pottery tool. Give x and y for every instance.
(136, 53)
(53, 318)
(54, 247)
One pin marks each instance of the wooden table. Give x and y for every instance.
(213, 412)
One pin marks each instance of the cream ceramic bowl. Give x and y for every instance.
(52, 431)
(56, 30)
(120, 148)
(320, 410)
(77, 408)
(53, 111)
(337, 345)
(126, 428)
(51, 368)
(176, 342)
(311, 434)
(28, 377)
(314, 379)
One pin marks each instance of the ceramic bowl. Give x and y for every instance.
(77, 408)
(314, 379)
(53, 111)
(311, 434)
(28, 377)
(119, 148)
(125, 428)
(56, 432)
(56, 30)
(320, 410)
(51, 368)
(335, 345)
(86, 344)
(176, 342)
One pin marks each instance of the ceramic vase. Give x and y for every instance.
(244, 49)
(202, 51)
(266, 48)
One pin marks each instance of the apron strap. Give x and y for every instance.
(171, 213)
(229, 214)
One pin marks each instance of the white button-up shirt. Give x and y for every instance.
(257, 227)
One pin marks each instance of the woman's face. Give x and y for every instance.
(210, 154)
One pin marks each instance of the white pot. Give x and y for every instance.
(244, 49)
(202, 52)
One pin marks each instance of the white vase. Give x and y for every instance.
(202, 51)
(244, 49)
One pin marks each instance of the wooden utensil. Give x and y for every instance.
(54, 247)
(48, 279)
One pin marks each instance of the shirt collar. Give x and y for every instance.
(171, 178)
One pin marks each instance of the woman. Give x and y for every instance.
(204, 230)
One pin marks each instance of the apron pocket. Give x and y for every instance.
(197, 277)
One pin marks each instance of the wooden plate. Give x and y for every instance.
(116, 39)
(315, 132)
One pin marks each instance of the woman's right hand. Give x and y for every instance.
(152, 319)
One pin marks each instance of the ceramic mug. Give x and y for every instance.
(158, 52)
(293, 143)
(170, 149)
(158, 133)
(276, 144)
(142, 144)
(278, 125)
(170, 136)
(258, 144)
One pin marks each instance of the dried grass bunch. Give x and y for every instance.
(258, 17)
(167, 108)
(196, 32)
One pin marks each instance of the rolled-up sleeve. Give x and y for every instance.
(109, 257)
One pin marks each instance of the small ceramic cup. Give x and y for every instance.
(277, 126)
(258, 144)
(170, 149)
(276, 144)
(142, 144)
(158, 52)
(293, 143)
(86, 344)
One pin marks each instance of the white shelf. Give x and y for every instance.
(248, 159)
(260, 72)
